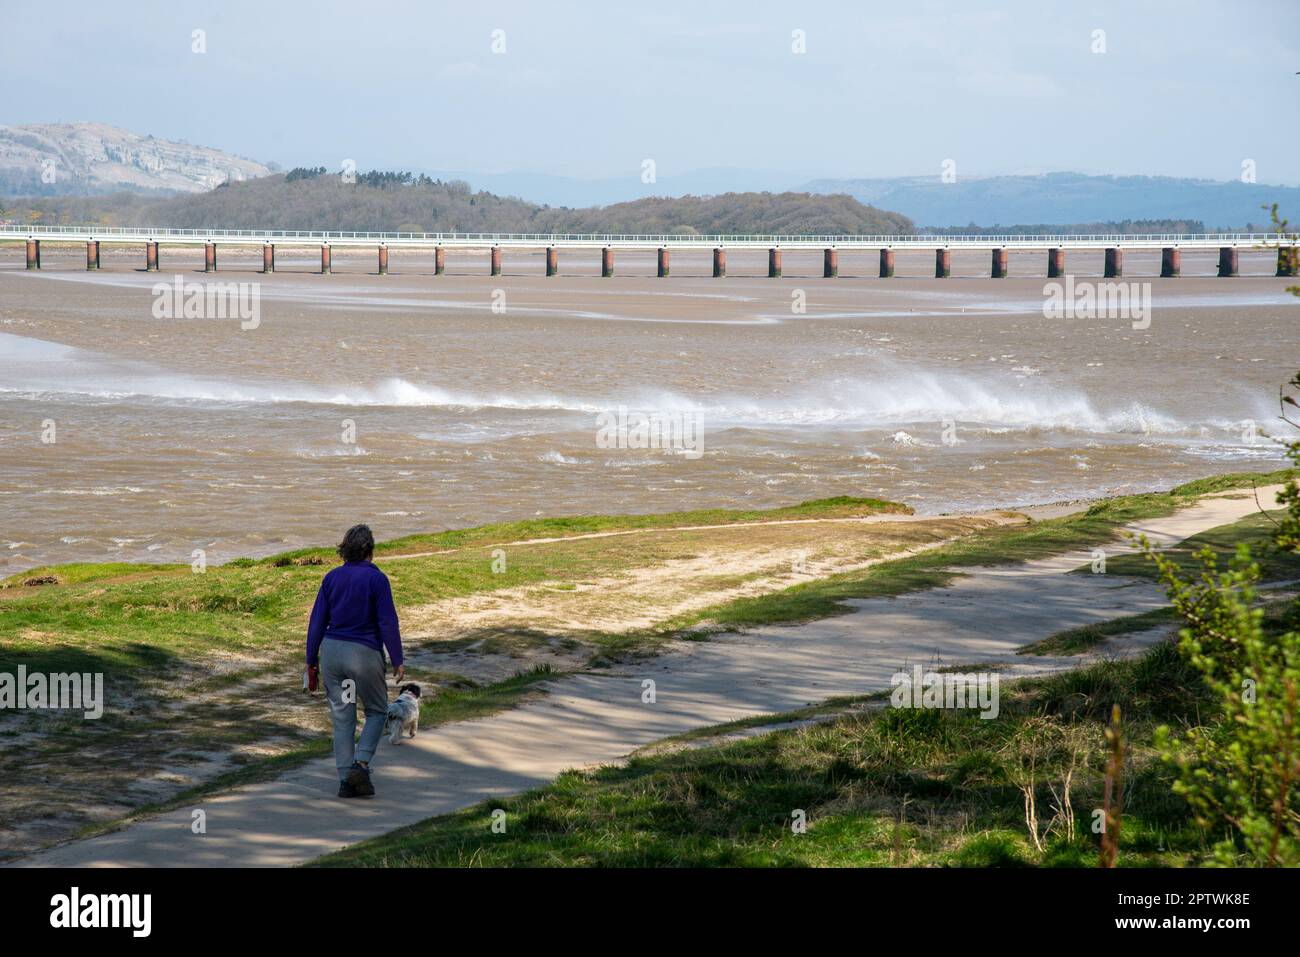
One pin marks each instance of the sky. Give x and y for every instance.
(593, 89)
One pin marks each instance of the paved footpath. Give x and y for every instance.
(596, 718)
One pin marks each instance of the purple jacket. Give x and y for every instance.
(355, 603)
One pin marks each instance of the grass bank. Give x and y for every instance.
(217, 655)
(878, 787)
(129, 621)
(202, 670)
(1096, 525)
(1255, 531)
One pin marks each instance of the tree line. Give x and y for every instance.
(397, 201)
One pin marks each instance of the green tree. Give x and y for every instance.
(1241, 773)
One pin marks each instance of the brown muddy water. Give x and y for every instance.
(409, 402)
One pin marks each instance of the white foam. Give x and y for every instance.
(557, 458)
(888, 395)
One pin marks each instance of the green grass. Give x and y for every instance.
(1255, 531)
(142, 624)
(1098, 524)
(1279, 616)
(463, 704)
(133, 621)
(130, 621)
(879, 787)
(1076, 641)
(842, 506)
(152, 628)
(136, 623)
(80, 572)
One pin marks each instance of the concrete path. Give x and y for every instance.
(596, 718)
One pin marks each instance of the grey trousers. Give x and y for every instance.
(354, 674)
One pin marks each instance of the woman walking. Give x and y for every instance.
(352, 622)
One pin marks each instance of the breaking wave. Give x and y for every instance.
(887, 397)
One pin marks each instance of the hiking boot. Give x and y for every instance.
(347, 790)
(359, 780)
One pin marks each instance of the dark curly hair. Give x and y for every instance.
(358, 544)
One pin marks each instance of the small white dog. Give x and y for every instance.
(403, 714)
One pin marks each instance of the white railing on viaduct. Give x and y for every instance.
(305, 237)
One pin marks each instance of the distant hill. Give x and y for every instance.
(312, 198)
(1066, 198)
(790, 213)
(550, 189)
(1124, 227)
(58, 159)
(98, 161)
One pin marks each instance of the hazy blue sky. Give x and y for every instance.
(591, 89)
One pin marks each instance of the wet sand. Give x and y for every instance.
(182, 434)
